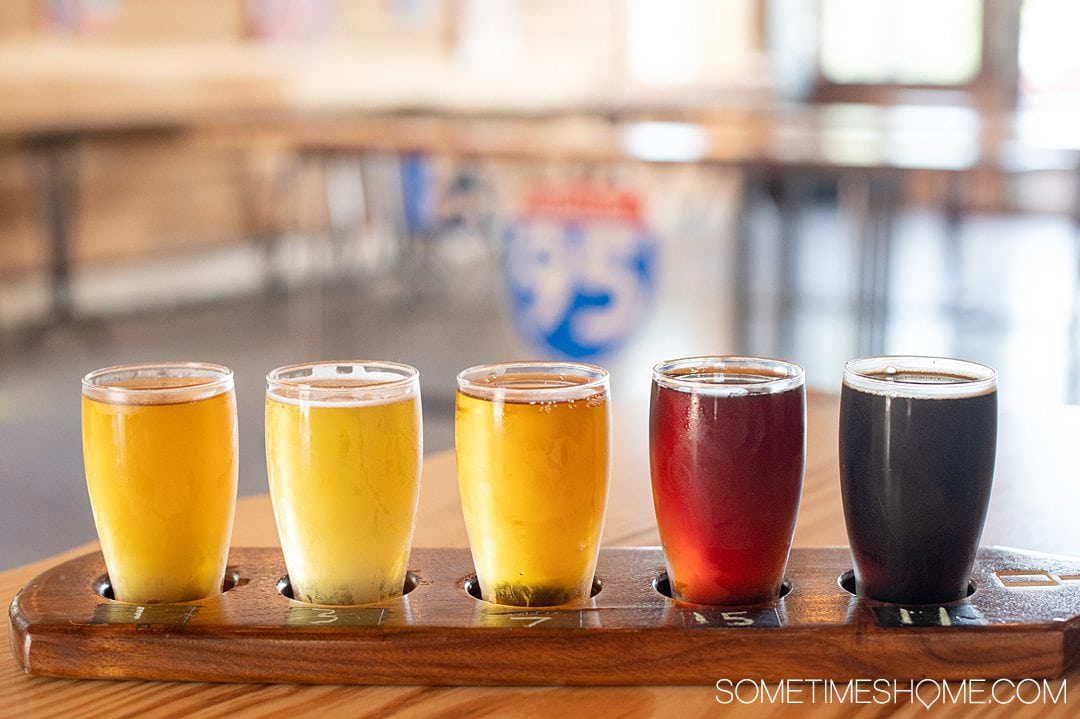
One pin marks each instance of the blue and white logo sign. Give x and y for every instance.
(580, 271)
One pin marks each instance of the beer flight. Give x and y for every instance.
(533, 441)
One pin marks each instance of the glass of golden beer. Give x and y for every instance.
(160, 454)
(344, 444)
(533, 446)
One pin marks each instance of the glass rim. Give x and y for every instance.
(597, 379)
(967, 377)
(792, 377)
(407, 378)
(221, 379)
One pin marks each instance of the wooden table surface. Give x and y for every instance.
(1033, 507)
(823, 138)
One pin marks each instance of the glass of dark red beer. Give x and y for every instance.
(918, 437)
(727, 440)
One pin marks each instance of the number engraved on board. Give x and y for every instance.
(737, 619)
(325, 616)
(168, 615)
(898, 617)
(530, 619)
(733, 618)
(335, 616)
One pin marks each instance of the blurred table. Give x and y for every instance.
(782, 152)
(56, 95)
(1032, 507)
(53, 95)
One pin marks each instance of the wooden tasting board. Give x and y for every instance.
(1020, 622)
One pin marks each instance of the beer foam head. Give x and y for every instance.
(534, 382)
(343, 384)
(157, 383)
(726, 376)
(920, 377)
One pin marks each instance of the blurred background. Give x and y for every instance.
(258, 182)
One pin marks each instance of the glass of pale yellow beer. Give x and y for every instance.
(533, 457)
(344, 447)
(160, 454)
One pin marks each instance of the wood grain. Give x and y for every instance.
(1021, 622)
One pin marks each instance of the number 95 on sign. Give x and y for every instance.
(579, 285)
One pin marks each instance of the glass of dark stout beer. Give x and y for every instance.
(918, 437)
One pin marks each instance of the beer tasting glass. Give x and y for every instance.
(160, 455)
(917, 443)
(344, 444)
(533, 456)
(727, 445)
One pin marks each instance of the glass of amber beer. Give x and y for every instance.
(160, 454)
(343, 454)
(533, 456)
(727, 452)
